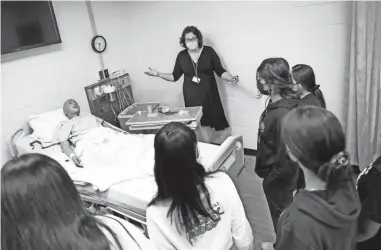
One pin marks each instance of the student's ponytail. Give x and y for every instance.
(305, 76)
(319, 95)
(332, 170)
(282, 82)
(315, 138)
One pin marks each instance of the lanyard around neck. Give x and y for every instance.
(195, 67)
(195, 64)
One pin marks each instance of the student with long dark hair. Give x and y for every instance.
(279, 173)
(310, 92)
(41, 210)
(324, 214)
(193, 209)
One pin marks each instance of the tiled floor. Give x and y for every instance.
(254, 201)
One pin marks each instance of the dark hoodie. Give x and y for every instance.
(272, 157)
(310, 99)
(318, 220)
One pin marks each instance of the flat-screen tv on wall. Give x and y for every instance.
(27, 25)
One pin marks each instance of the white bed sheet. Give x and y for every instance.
(137, 193)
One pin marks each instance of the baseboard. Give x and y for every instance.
(249, 151)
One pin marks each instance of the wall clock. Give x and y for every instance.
(99, 44)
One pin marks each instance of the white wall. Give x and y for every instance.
(146, 34)
(41, 79)
(142, 34)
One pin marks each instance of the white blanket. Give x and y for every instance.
(110, 157)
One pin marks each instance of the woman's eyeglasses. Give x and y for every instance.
(193, 39)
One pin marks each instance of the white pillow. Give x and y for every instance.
(45, 125)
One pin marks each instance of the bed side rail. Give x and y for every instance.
(12, 139)
(231, 153)
(124, 212)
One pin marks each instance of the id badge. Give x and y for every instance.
(196, 79)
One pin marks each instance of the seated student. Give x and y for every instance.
(193, 209)
(369, 189)
(73, 130)
(310, 93)
(324, 214)
(41, 209)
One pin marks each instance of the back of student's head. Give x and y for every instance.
(41, 208)
(176, 160)
(314, 137)
(304, 75)
(179, 176)
(274, 73)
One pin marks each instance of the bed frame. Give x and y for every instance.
(230, 160)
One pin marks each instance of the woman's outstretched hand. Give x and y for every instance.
(152, 72)
(235, 80)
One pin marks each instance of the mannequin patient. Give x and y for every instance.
(73, 130)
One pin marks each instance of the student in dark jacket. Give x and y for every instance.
(304, 76)
(272, 162)
(324, 215)
(369, 189)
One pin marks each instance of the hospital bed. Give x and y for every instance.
(130, 198)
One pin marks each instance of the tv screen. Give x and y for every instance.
(27, 25)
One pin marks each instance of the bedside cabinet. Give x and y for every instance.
(108, 106)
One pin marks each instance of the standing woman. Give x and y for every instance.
(198, 63)
(324, 214)
(310, 93)
(279, 173)
(193, 209)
